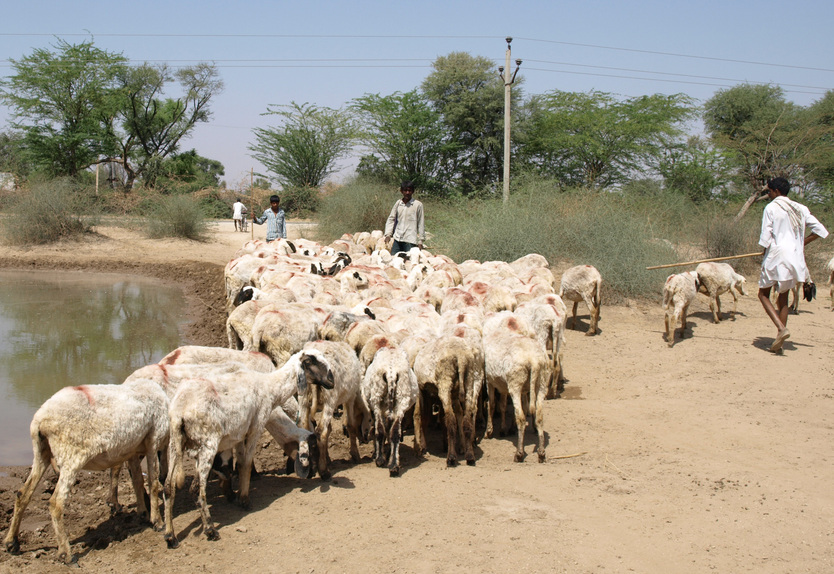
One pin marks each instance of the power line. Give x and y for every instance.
(416, 37)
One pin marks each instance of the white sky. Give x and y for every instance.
(327, 53)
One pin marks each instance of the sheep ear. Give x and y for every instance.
(369, 313)
(292, 246)
(301, 378)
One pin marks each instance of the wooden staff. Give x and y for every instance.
(757, 254)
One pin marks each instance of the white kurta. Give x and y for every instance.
(784, 260)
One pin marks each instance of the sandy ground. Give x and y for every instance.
(714, 455)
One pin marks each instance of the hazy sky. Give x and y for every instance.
(327, 53)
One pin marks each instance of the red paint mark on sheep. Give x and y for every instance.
(171, 358)
(83, 389)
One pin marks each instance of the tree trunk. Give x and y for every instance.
(754, 196)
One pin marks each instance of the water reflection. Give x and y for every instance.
(59, 329)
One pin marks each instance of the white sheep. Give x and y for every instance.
(389, 390)
(222, 412)
(281, 330)
(548, 324)
(94, 427)
(678, 293)
(517, 366)
(450, 368)
(345, 391)
(583, 283)
(718, 278)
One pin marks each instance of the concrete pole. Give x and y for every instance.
(507, 85)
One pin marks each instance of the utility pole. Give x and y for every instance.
(504, 72)
(252, 201)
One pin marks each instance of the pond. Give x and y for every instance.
(61, 329)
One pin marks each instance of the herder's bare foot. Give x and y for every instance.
(783, 336)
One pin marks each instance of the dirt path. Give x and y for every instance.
(714, 455)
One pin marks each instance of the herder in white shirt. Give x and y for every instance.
(783, 237)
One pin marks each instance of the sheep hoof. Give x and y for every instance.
(519, 457)
(470, 460)
(380, 462)
(172, 541)
(326, 475)
(392, 472)
(212, 534)
(244, 503)
(542, 457)
(13, 547)
(68, 559)
(451, 462)
(114, 508)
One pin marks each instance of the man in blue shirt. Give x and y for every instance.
(274, 216)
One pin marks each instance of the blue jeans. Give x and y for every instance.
(401, 246)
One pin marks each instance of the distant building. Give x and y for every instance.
(7, 181)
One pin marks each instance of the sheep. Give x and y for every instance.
(389, 389)
(281, 330)
(583, 283)
(717, 278)
(516, 365)
(450, 368)
(94, 427)
(548, 325)
(347, 380)
(229, 411)
(678, 293)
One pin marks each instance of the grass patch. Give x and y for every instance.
(177, 216)
(47, 212)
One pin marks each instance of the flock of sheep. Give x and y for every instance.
(315, 331)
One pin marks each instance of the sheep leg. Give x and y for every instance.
(66, 478)
(735, 304)
(379, 438)
(468, 432)
(683, 320)
(135, 469)
(450, 422)
(113, 498)
(520, 421)
(204, 461)
(394, 440)
(502, 409)
(24, 496)
(541, 392)
(324, 440)
(247, 458)
(153, 485)
(670, 330)
(575, 306)
(593, 312)
(419, 429)
(490, 410)
(353, 421)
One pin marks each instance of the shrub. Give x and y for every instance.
(49, 211)
(360, 205)
(176, 216)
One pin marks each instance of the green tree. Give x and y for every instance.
(12, 154)
(469, 96)
(189, 168)
(695, 169)
(818, 164)
(595, 139)
(767, 135)
(147, 128)
(61, 100)
(304, 150)
(405, 137)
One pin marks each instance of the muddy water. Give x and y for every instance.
(61, 329)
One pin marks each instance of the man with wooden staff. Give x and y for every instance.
(783, 237)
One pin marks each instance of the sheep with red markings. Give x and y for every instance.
(94, 427)
(219, 412)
